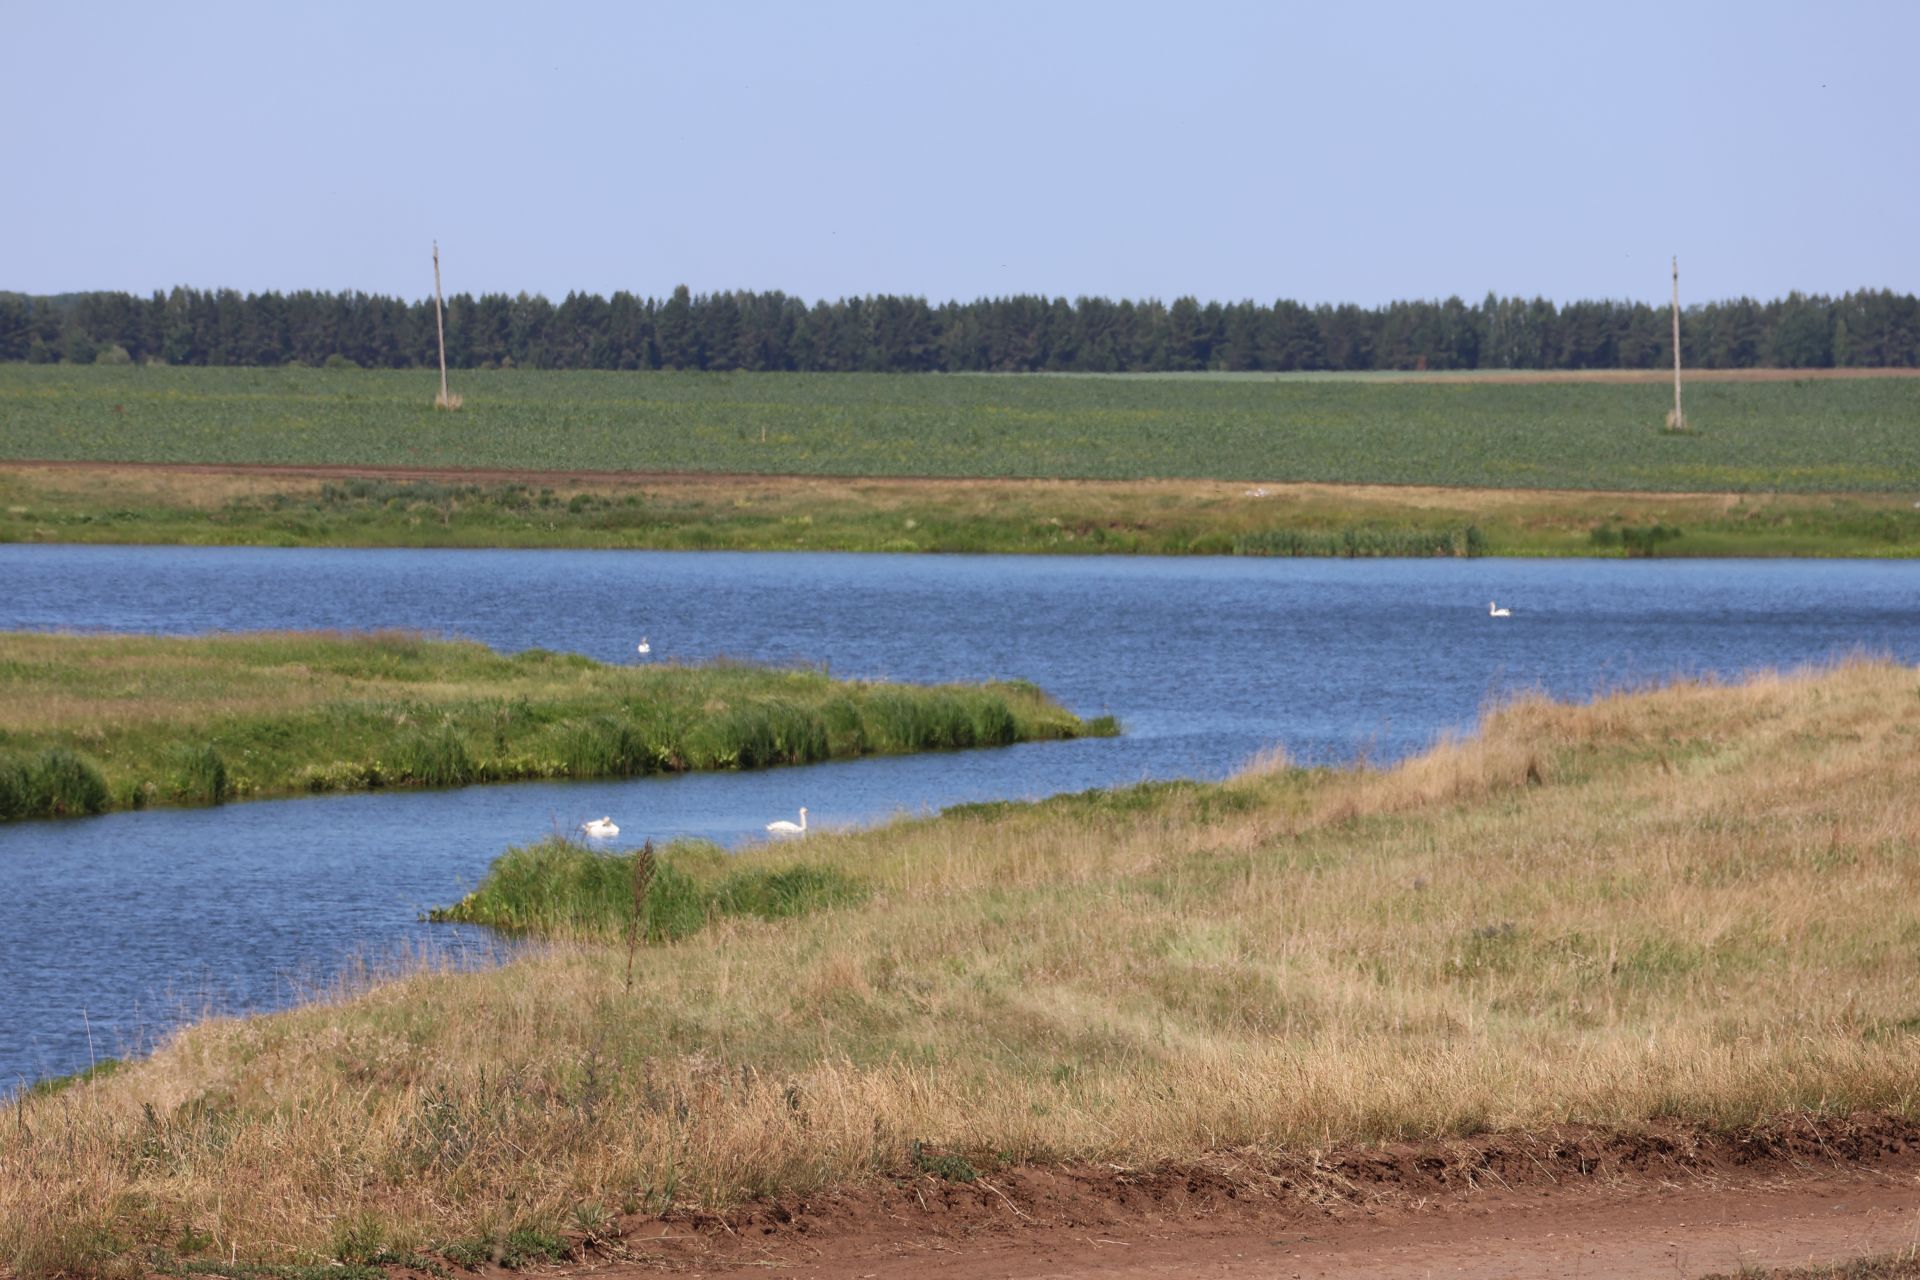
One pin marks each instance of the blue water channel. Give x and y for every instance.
(119, 926)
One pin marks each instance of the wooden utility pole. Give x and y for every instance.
(440, 326)
(1679, 422)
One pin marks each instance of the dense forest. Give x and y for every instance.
(771, 331)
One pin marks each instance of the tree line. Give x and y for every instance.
(772, 331)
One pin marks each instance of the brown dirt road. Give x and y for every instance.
(1668, 1201)
(1594, 1236)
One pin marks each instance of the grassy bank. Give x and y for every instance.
(1167, 517)
(1693, 903)
(89, 723)
(1804, 435)
(562, 889)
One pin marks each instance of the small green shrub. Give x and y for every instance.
(561, 887)
(197, 774)
(1636, 541)
(613, 747)
(359, 1238)
(1363, 542)
(433, 758)
(63, 783)
(520, 1247)
(790, 891)
(16, 788)
(948, 1168)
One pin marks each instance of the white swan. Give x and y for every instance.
(643, 647)
(1495, 611)
(785, 828)
(600, 829)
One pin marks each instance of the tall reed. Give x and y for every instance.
(1363, 542)
(564, 889)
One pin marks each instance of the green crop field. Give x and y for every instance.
(1793, 435)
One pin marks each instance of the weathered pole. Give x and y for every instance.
(1679, 422)
(440, 327)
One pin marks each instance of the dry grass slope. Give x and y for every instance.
(1694, 902)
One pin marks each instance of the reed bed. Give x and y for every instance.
(1363, 542)
(560, 888)
(95, 722)
(1690, 902)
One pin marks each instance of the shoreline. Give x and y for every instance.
(199, 504)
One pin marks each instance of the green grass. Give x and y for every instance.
(1800, 436)
(54, 1084)
(563, 889)
(89, 723)
(133, 505)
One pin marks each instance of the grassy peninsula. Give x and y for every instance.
(89, 723)
(1691, 903)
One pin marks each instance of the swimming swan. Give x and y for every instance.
(1494, 611)
(785, 828)
(600, 829)
(643, 647)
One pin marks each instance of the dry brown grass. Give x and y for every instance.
(1693, 902)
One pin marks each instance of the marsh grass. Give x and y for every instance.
(95, 722)
(197, 774)
(1363, 542)
(54, 783)
(1693, 902)
(560, 888)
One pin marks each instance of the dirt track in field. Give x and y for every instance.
(1669, 1200)
(1651, 375)
(252, 475)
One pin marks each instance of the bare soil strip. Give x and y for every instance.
(1669, 1200)
(735, 479)
(1645, 375)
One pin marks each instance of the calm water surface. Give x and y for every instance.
(122, 924)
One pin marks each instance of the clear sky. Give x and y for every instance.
(1324, 152)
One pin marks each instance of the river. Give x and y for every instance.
(122, 925)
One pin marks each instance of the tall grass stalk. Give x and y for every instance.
(640, 883)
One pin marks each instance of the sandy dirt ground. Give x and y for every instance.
(1648, 375)
(219, 480)
(1595, 1235)
(1669, 1201)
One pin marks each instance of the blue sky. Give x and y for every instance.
(1324, 152)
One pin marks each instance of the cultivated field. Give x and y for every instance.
(1679, 913)
(1802, 434)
